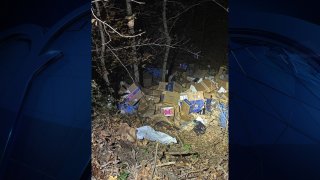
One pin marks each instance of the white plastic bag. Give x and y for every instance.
(149, 133)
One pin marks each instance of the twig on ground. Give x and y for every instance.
(166, 164)
(155, 161)
(195, 171)
(180, 153)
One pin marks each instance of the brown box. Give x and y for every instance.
(210, 95)
(160, 106)
(145, 105)
(201, 73)
(177, 87)
(152, 92)
(193, 96)
(205, 85)
(185, 109)
(155, 99)
(162, 86)
(135, 94)
(222, 74)
(170, 97)
(223, 83)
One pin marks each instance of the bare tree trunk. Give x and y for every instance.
(103, 48)
(133, 42)
(168, 40)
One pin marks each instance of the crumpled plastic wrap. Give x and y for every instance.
(147, 132)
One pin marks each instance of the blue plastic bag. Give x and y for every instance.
(169, 86)
(223, 115)
(209, 105)
(155, 72)
(183, 66)
(127, 109)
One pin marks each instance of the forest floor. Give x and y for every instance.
(116, 154)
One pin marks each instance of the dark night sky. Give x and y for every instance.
(207, 27)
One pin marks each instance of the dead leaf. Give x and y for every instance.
(112, 178)
(127, 133)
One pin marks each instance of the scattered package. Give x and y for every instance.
(135, 94)
(179, 100)
(205, 85)
(199, 128)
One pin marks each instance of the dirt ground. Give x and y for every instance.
(116, 154)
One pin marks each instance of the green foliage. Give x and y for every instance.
(123, 175)
(186, 147)
(145, 151)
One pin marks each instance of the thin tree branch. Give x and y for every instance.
(103, 65)
(138, 2)
(121, 35)
(160, 45)
(226, 9)
(117, 58)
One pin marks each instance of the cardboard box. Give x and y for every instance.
(193, 96)
(191, 102)
(146, 108)
(167, 111)
(169, 108)
(170, 97)
(135, 94)
(143, 105)
(210, 95)
(222, 74)
(162, 86)
(205, 85)
(174, 86)
(199, 73)
(210, 104)
(171, 86)
(152, 92)
(183, 96)
(155, 99)
(223, 83)
(188, 107)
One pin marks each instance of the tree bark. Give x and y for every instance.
(133, 42)
(103, 48)
(168, 40)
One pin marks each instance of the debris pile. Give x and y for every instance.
(165, 130)
(183, 100)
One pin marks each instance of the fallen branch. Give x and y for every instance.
(195, 171)
(181, 153)
(166, 164)
(155, 161)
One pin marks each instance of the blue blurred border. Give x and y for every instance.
(45, 91)
(274, 112)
